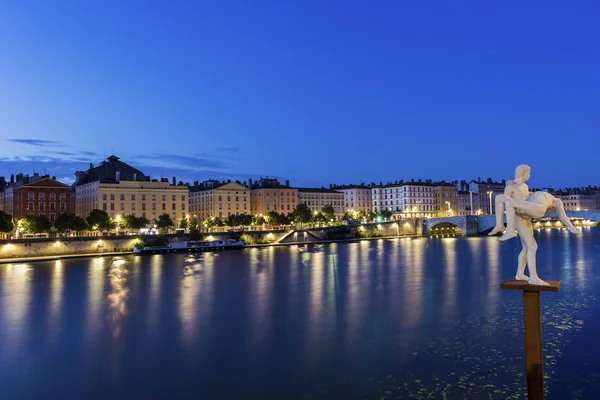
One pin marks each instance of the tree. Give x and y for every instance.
(386, 214)
(183, 223)
(62, 223)
(258, 220)
(35, 224)
(78, 224)
(194, 224)
(302, 214)
(328, 212)
(6, 223)
(164, 223)
(133, 223)
(272, 218)
(100, 220)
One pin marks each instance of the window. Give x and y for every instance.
(122, 197)
(164, 207)
(52, 206)
(30, 196)
(29, 206)
(164, 197)
(122, 206)
(182, 197)
(133, 197)
(153, 206)
(112, 206)
(112, 197)
(52, 196)
(133, 206)
(182, 206)
(143, 207)
(63, 196)
(143, 197)
(153, 197)
(173, 207)
(52, 216)
(104, 206)
(42, 196)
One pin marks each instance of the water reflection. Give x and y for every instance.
(56, 296)
(195, 297)
(260, 297)
(413, 281)
(493, 278)
(117, 298)
(15, 301)
(449, 308)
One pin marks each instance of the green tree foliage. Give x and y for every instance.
(184, 223)
(302, 214)
(164, 223)
(386, 214)
(238, 220)
(258, 220)
(100, 220)
(35, 224)
(62, 223)
(194, 224)
(133, 223)
(328, 212)
(6, 223)
(78, 224)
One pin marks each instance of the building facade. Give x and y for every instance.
(269, 195)
(470, 203)
(580, 199)
(219, 199)
(317, 198)
(487, 188)
(356, 198)
(446, 200)
(120, 190)
(36, 195)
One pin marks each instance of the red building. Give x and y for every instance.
(37, 195)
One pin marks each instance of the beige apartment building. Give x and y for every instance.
(120, 189)
(219, 199)
(446, 200)
(356, 198)
(269, 195)
(317, 198)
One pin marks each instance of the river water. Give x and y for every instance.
(380, 319)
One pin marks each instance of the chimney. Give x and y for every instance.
(174, 181)
(54, 178)
(250, 183)
(12, 178)
(135, 176)
(287, 182)
(118, 176)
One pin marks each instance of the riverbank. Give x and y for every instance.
(51, 257)
(61, 257)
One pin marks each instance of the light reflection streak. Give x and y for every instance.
(413, 281)
(316, 313)
(56, 295)
(260, 293)
(449, 308)
(117, 298)
(580, 265)
(195, 297)
(15, 301)
(493, 261)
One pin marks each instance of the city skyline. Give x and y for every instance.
(303, 91)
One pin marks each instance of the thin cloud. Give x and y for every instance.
(36, 142)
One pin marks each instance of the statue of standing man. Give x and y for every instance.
(521, 206)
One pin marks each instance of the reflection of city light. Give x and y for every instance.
(57, 244)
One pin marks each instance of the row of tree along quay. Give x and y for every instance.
(99, 223)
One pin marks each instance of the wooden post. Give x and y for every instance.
(533, 333)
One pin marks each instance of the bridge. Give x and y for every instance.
(472, 225)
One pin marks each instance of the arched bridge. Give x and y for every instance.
(471, 225)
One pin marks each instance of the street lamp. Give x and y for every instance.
(448, 207)
(490, 193)
(471, 201)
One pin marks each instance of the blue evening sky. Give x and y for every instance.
(317, 92)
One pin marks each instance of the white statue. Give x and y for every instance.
(521, 206)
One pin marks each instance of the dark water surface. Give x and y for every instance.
(421, 318)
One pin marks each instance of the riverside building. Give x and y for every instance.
(267, 194)
(317, 198)
(357, 198)
(36, 195)
(120, 189)
(219, 199)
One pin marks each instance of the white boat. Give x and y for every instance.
(191, 247)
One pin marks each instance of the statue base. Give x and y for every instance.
(533, 332)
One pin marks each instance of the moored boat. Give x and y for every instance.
(191, 247)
